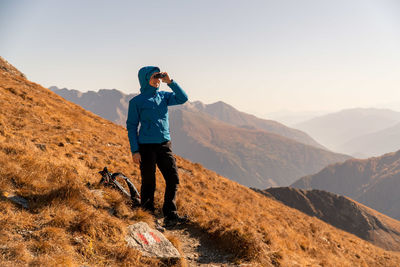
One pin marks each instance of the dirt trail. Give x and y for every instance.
(198, 248)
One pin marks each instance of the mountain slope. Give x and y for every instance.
(375, 182)
(335, 129)
(109, 104)
(229, 114)
(374, 144)
(249, 156)
(51, 149)
(343, 213)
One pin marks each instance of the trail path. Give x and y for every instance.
(199, 249)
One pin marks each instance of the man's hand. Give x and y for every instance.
(166, 79)
(136, 158)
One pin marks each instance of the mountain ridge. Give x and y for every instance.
(335, 130)
(110, 104)
(227, 113)
(373, 182)
(376, 143)
(343, 213)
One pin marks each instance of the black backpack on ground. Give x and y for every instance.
(110, 179)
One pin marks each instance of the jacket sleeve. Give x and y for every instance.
(178, 96)
(132, 124)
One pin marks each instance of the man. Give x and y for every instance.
(152, 145)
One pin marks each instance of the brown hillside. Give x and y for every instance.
(252, 157)
(375, 182)
(343, 213)
(50, 149)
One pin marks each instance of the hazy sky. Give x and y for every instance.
(259, 56)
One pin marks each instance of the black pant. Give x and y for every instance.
(160, 155)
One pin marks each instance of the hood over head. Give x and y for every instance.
(144, 78)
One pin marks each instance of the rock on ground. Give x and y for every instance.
(150, 242)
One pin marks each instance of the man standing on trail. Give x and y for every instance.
(152, 145)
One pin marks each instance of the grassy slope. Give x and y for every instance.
(68, 224)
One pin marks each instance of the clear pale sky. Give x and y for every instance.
(259, 56)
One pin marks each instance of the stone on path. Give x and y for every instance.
(150, 242)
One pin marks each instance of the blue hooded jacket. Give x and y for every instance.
(150, 109)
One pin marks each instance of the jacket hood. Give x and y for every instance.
(144, 78)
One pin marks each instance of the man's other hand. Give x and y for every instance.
(166, 79)
(136, 158)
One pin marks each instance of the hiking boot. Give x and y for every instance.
(175, 219)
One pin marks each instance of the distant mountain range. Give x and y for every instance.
(360, 132)
(374, 182)
(343, 213)
(292, 118)
(251, 157)
(247, 149)
(374, 144)
(229, 114)
(110, 104)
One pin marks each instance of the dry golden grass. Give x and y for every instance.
(50, 149)
(178, 245)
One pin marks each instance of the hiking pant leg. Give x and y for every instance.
(148, 173)
(167, 164)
